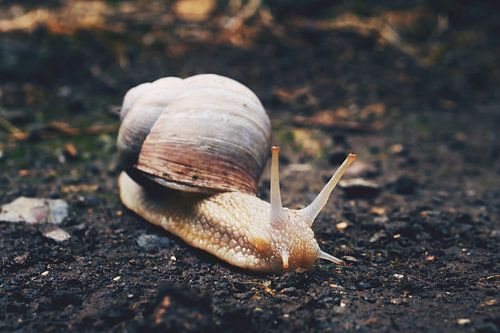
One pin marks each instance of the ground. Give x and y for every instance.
(411, 88)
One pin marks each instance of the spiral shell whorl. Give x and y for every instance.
(206, 133)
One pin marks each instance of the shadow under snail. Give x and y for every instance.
(192, 151)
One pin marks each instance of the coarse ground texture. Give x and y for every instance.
(420, 110)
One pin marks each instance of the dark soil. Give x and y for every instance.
(423, 250)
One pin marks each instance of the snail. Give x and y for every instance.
(192, 151)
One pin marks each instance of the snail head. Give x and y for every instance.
(292, 237)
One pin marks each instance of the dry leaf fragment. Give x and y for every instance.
(463, 321)
(165, 304)
(194, 10)
(489, 302)
(57, 234)
(70, 150)
(79, 188)
(375, 110)
(430, 258)
(378, 210)
(341, 226)
(396, 148)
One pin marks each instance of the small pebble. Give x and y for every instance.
(117, 278)
(359, 188)
(34, 210)
(21, 259)
(45, 273)
(333, 285)
(57, 234)
(398, 276)
(463, 321)
(289, 290)
(378, 236)
(364, 285)
(350, 258)
(339, 309)
(150, 242)
(381, 219)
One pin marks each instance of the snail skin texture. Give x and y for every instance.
(195, 198)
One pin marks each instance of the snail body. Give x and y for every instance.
(208, 198)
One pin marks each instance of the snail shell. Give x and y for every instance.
(206, 133)
(210, 134)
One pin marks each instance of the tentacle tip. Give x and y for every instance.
(284, 258)
(352, 156)
(329, 257)
(276, 149)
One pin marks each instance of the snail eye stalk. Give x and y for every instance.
(312, 211)
(276, 205)
(329, 257)
(284, 259)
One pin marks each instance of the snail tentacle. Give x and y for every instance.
(329, 257)
(312, 211)
(276, 205)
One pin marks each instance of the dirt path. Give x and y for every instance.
(420, 111)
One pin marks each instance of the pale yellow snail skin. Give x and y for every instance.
(236, 227)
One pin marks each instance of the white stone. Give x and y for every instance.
(34, 210)
(57, 234)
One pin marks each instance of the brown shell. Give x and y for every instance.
(207, 133)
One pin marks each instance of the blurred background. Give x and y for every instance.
(415, 71)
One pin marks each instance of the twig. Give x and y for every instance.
(364, 26)
(338, 124)
(12, 130)
(244, 14)
(48, 130)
